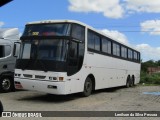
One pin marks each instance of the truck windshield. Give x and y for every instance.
(47, 49)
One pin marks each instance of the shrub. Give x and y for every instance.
(150, 79)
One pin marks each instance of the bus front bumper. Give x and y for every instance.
(42, 86)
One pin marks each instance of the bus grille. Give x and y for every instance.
(40, 77)
(27, 75)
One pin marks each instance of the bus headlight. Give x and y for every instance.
(56, 78)
(17, 75)
(52, 78)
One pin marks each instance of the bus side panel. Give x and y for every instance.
(111, 72)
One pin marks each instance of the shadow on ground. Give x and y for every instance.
(64, 98)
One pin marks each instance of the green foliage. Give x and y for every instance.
(153, 78)
(149, 63)
(150, 79)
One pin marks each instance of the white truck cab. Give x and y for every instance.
(9, 47)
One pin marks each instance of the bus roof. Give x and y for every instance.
(81, 23)
(57, 21)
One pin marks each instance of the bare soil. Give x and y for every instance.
(113, 99)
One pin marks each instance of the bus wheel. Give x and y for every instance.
(6, 84)
(87, 87)
(131, 84)
(128, 83)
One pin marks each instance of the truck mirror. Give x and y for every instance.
(16, 49)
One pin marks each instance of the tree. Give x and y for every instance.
(158, 63)
(150, 63)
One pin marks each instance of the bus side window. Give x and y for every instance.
(97, 43)
(73, 58)
(73, 54)
(130, 54)
(116, 49)
(139, 57)
(123, 52)
(90, 40)
(78, 32)
(135, 56)
(106, 45)
(93, 41)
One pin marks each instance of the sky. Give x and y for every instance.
(133, 22)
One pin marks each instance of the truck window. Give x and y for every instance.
(5, 51)
(1, 51)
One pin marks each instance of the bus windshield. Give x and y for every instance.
(55, 49)
(54, 29)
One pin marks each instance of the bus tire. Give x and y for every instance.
(6, 84)
(131, 84)
(87, 87)
(128, 82)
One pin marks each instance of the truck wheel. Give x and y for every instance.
(6, 84)
(87, 87)
(1, 109)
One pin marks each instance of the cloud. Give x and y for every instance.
(116, 35)
(1, 24)
(148, 52)
(149, 6)
(151, 26)
(114, 8)
(110, 9)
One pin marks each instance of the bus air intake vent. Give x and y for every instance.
(40, 77)
(27, 75)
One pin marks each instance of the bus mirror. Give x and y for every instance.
(16, 49)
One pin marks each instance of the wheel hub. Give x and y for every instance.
(88, 86)
(6, 84)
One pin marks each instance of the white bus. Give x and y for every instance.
(67, 56)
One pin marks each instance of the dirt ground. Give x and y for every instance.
(113, 99)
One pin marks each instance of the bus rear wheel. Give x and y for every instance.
(130, 82)
(87, 87)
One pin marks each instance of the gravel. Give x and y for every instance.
(113, 99)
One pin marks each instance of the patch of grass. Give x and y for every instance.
(145, 84)
(153, 79)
